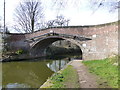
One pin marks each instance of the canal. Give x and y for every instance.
(32, 73)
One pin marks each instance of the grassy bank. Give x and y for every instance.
(106, 69)
(66, 78)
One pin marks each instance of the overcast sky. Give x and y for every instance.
(80, 12)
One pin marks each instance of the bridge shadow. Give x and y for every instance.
(40, 48)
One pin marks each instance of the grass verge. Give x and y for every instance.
(106, 69)
(66, 78)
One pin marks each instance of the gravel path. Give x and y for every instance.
(86, 79)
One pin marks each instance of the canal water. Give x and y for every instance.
(31, 73)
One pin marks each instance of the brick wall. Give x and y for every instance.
(103, 44)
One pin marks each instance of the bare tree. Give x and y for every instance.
(59, 21)
(111, 5)
(28, 15)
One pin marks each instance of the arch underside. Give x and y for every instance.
(38, 48)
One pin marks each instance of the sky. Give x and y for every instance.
(79, 12)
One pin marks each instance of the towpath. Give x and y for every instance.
(86, 79)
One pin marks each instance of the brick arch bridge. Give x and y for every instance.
(96, 42)
(38, 47)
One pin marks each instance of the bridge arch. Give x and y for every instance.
(38, 48)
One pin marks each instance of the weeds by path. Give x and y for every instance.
(106, 69)
(66, 78)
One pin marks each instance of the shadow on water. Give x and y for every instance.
(32, 73)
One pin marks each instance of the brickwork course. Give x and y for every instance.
(103, 43)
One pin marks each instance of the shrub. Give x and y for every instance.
(20, 51)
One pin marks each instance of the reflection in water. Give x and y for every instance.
(56, 65)
(29, 74)
(16, 85)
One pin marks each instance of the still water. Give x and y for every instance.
(32, 73)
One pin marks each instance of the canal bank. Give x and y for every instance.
(83, 79)
(66, 77)
(90, 74)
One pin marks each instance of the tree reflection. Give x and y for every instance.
(56, 65)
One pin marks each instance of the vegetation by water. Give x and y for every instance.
(64, 79)
(106, 69)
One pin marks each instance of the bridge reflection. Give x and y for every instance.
(57, 65)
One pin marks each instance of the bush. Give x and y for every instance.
(19, 52)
